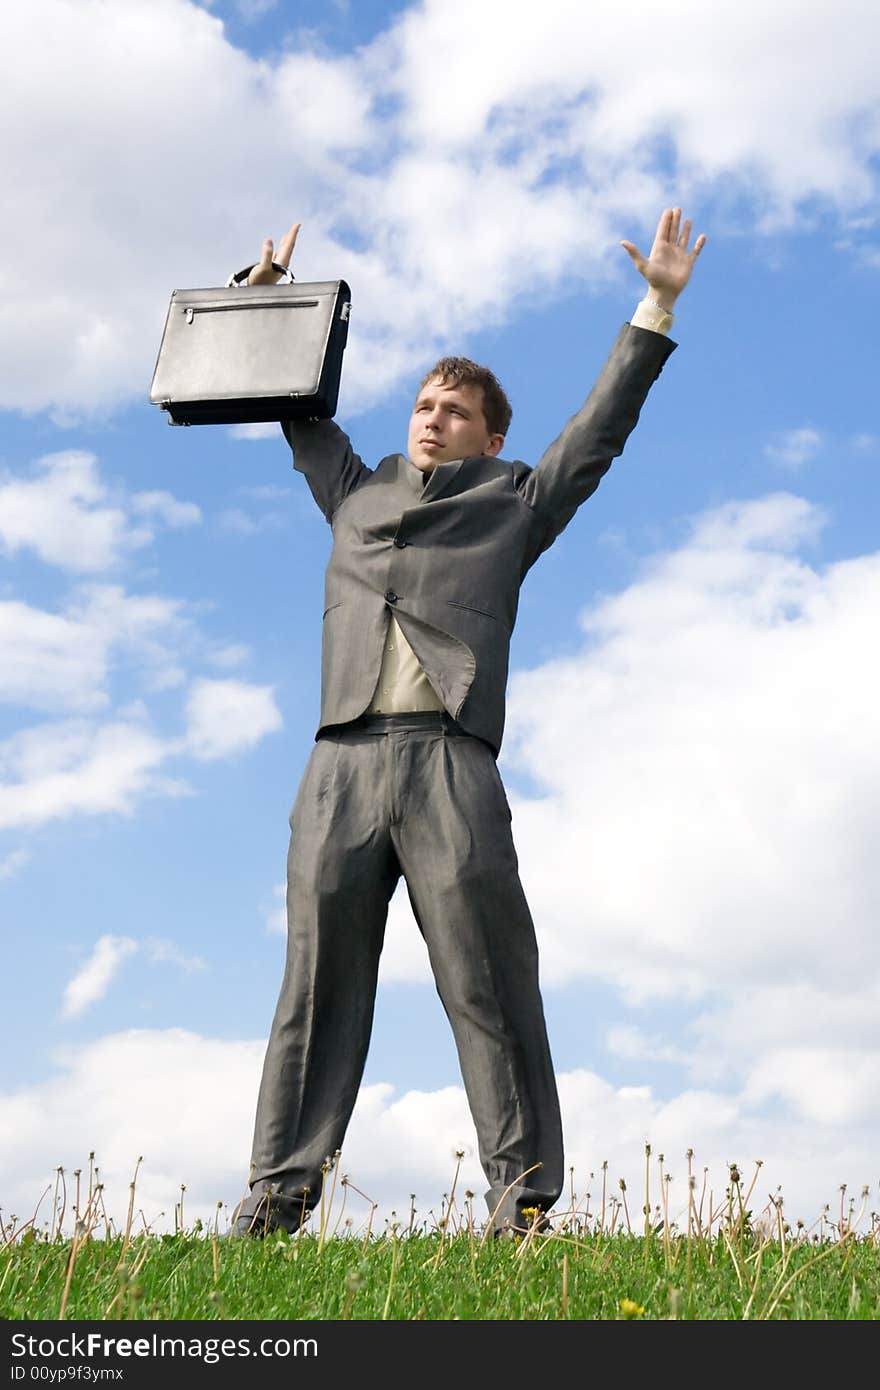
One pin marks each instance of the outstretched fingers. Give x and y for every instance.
(286, 245)
(676, 233)
(670, 262)
(663, 225)
(267, 253)
(634, 254)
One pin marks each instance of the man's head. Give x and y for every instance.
(460, 411)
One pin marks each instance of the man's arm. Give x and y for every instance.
(321, 450)
(571, 469)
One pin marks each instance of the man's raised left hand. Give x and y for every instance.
(668, 267)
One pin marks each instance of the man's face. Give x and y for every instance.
(448, 423)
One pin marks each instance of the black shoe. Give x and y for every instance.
(275, 1213)
(525, 1222)
(254, 1226)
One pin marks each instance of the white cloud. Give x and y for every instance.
(228, 655)
(251, 10)
(238, 521)
(579, 134)
(93, 979)
(86, 1106)
(262, 430)
(162, 952)
(228, 716)
(101, 653)
(792, 1021)
(90, 1109)
(13, 862)
(705, 770)
(64, 661)
(166, 508)
(779, 521)
(242, 523)
(634, 1045)
(830, 1086)
(50, 660)
(71, 518)
(275, 914)
(404, 958)
(76, 767)
(150, 630)
(62, 513)
(267, 492)
(53, 771)
(793, 448)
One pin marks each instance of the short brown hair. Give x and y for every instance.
(461, 371)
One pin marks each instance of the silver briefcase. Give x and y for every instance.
(247, 353)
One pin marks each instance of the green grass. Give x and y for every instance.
(586, 1276)
(722, 1263)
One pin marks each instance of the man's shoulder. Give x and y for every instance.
(512, 471)
(519, 471)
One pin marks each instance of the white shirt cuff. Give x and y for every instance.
(652, 316)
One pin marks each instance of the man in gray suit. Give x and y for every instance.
(429, 552)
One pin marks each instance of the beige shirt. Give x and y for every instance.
(402, 685)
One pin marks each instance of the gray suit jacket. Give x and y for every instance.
(450, 561)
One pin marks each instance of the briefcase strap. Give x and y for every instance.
(239, 277)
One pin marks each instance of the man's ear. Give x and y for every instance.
(495, 445)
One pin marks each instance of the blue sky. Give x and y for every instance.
(691, 748)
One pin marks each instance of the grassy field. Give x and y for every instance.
(621, 1276)
(720, 1264)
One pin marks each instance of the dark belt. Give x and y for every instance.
(412, 722)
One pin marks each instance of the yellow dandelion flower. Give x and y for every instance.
(630, 1309)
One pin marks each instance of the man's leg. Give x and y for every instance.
(341, 873)
(453, 838)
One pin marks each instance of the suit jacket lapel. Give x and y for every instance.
(441, 479)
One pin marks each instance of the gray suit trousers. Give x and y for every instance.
(424, 800)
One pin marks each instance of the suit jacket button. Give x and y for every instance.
(400, 542)
(390, 596)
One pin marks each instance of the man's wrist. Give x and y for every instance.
(664, 299)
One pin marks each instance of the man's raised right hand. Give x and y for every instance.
(263, 273)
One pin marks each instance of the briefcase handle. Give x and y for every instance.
(239, 277)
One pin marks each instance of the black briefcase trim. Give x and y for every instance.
(222, 361)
